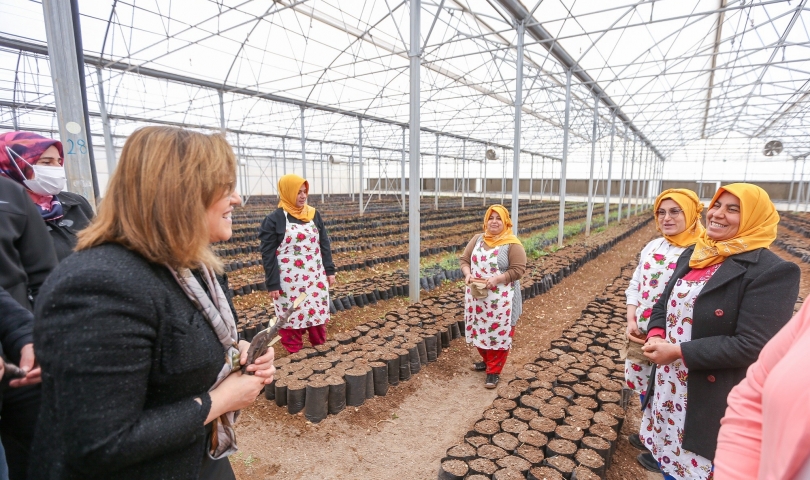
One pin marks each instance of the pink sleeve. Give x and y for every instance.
(656, 332)
(739, 443)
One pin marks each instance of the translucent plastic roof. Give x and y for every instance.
(681, 71)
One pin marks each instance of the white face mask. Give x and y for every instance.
(47, 180)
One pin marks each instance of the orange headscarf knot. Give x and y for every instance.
(758, 221)
(288, 187)
(691, 206)
(506, 236)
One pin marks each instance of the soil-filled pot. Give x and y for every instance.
(585, 473)
(482, 466)
(462, 451)
(544, 473)
(430, 346)
(337, 394)
(296, 396)
(592, 460)
(420, 347)
(355, 386)
(597, 444)
(564, 465)
(369, 382)
(281, 391)
(452, 469)
(316, 404)
(509, 473)
(380, 373)
(404, 364)
(506, 441)
(561, 447)
(270, 391)
(392, 360)
(413, 356)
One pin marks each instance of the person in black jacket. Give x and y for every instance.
(36, 163)
(727, 297)
(297, 257)
(141, 366)
(16, 346)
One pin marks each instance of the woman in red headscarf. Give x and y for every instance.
(37, 163)
(493, 263)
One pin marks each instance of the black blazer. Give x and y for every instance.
(745, 303)
(77, 216)
(124, 353)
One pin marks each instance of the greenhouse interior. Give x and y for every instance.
(408, 120)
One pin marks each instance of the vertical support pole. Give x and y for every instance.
(221, 95)
(284, 154)
(609, 185)
(531, 178)
(543, 176)
(379, 176)
(792, 180)
(70, 112)
(275, 170)
(303, 146)
(402, 177)
(747, 158)
(632, 177)
(464, 170)
(801, 185)
(484, 176)
(436, 181)
(329, 173)
(521, 29)
(323, 179)
(621, 183)
(360, 162)
(566, 127)
(589, 212)
(351, 173)
(503, 174)
(109, 147)
(414, 247)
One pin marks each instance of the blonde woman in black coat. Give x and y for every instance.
(137, 341)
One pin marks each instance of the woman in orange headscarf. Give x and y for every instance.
(297, 258)
(493, 263)
(677, 218)
(728, 296)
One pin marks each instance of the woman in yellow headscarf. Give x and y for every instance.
(297, 258)
(493, 263)
(728, 296)
(677, 217)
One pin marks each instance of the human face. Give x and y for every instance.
(723, 218)
(673, 221)
(494, 224)
(301, 198)
(219, 218)
(49, 158)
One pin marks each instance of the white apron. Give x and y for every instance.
(301, 270)
(664, 418)
(488, 320)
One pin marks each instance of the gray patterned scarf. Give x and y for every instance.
(219, 315)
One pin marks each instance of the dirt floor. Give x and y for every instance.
(405, 434)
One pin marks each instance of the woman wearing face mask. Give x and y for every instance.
(142, 372)
(37, 163)
(297, 258)
(728, 296)
(677, 215)
(492, 264)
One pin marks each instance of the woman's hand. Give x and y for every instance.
(661, 352)
(496, 280)
(633, 333)
(237, 391)
(28, 363)
(274, 294)
(263, 366)
(467, 278)
(330, 279)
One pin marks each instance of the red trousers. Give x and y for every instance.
(292, 338)
(495, 359)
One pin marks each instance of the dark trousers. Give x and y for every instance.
(18, 420)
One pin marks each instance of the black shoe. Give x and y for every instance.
(635, 441)
(479, 366)
(648, 462)
(492, 380)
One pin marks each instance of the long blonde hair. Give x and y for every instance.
(157, 198)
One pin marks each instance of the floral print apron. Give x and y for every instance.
(651, 276)
(488, 320)
(665, 415)
(301, 270)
